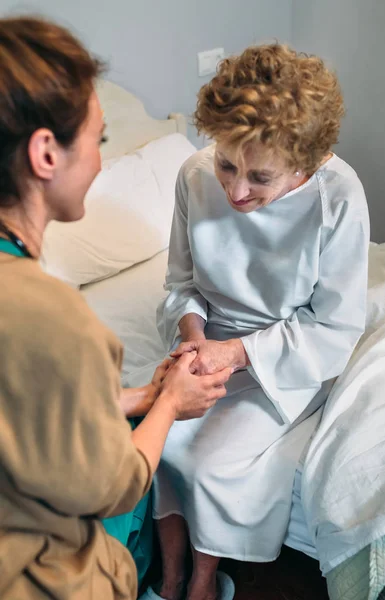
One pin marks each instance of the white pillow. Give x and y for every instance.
(376, 273)
(375, 310)
(128, 216)
(127, 304)
(166, 156)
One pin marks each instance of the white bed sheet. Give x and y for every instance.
(343, 483)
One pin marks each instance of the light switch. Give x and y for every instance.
(208, 61)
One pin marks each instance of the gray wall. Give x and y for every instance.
(151, 45)
(350, 34)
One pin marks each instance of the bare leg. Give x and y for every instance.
(173, 539)
(203, 581)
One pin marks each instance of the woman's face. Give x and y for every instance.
(77, 167)
(254, 178)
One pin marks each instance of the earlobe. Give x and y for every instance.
(43, 154)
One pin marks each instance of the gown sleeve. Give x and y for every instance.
(183, 297)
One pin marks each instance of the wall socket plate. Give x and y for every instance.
(208, 61)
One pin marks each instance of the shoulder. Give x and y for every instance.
(46, 316)
(199, 164)
(341, 192)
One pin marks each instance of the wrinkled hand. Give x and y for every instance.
(213, 356)
(191, 395)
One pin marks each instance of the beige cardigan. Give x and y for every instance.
(66, 455)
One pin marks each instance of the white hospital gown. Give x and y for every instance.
(290, 280)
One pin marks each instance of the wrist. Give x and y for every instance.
(192, 327)
(193, 336)
(134, 401)
(149, 393)
(168, 404)
(240, 360)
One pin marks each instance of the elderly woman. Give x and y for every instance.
(267, 275)
(67, 455)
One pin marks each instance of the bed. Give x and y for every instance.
(117, 257)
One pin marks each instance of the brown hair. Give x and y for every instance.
(46, 79)
(270, 94)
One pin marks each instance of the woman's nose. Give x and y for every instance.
(239, 190)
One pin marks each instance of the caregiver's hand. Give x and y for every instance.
(213, 356)
(183, 396)
(189, 395)
(160, 372)
(136, 402)
(153, 389)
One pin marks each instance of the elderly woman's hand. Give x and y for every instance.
(213, 356)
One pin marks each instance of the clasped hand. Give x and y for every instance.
(213, 356)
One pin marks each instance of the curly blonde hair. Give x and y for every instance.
(270, 94)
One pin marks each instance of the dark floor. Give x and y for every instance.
(293, 576)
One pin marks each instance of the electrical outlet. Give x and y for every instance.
(208, 61)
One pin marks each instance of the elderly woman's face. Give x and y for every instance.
(254, 179)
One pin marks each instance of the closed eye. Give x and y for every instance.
(255, 178)
(227, 166)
